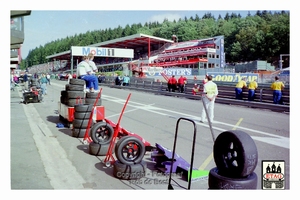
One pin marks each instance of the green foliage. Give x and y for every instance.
(263, 36)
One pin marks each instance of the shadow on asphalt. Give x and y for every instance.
(53, 119)
(66, 131)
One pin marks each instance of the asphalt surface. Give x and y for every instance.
(44, 157)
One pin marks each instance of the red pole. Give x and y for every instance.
(86, 135)
(116, 131)
(148, 47)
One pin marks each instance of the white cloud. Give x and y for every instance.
(162, 17)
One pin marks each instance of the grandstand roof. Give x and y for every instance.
(130, 42)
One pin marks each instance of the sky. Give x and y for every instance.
(56, 20)
(42, 27)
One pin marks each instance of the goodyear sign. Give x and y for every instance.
(103, 52)
(233, 77)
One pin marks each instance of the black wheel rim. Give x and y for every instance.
(103, 134)
(131, 151)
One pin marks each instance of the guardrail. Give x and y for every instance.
(263, 96)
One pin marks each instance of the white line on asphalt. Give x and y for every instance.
(58, 167)
(273, 139)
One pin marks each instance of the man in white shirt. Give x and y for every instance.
(92, 63)
(84, 72)
(210, 93)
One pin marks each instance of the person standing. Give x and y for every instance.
(69, 75)
(84, 72)
(251, 89)
(126, 80)
(173, 83)
(195, 89)
(239, 88)
(181, 83)
(44, 82)
(277, 87)
(12, 83)
(25, 80)
(210, 92)
(48, 78)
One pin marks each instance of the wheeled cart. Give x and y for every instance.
(66, 113)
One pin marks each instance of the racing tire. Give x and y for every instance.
(75, 94)
(78, 132)
(80, 123)
(83, 108)
(102, 133)
(217, 181)
(235, 154)
(82, 115)
(130, 150)
(92, 101)
(129, 172)
(75, 81)
(74, 87)
(92, 95)
(73, 102)
(98, 149)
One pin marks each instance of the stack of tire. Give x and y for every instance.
(91, 97)
(129, 165)
(82, 113)
(128, 150)
(73, 93)
(235, 155)
(101, 134)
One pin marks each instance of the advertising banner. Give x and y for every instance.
(102, 52)
(217, 76)
(233, 77)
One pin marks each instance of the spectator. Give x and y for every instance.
(172, 84)
(118, 80)
(251, 89)
(48, 78)
(12, 83)
(69, 75)
(25, 80)
(16, 79)
(44, 82)
(195, 89)
(126, 80)
(181, 83)
(277, 87)
(239, 88)
(205, 79)
(92, 63)
(210, 94)
(84, 72)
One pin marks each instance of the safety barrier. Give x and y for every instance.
(263, 96)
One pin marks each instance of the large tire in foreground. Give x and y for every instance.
(130, 150)
(102, 133)
(235, 154)
(98, 149)
(217, 181)
(129, 172)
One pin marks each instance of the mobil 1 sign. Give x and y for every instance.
(102, 52)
